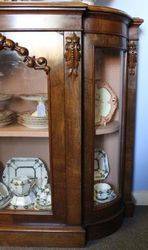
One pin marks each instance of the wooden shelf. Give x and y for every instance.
(111, 127)
(21, 131)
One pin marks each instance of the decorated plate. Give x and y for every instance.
(106, 103)
(101, 165)
(24, 167)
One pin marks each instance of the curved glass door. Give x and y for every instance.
(108, 125)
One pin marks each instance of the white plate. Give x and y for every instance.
(33, 126)
(32, 168)
(37, 98)
(101, 165)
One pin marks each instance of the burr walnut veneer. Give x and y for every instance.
(64, 49)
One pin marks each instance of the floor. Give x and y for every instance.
(133, 235)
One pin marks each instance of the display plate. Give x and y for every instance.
(106, 103)
(32, 168)
(101, 165)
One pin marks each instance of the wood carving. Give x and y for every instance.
(72, 54)
(31, 62)
(132, 57)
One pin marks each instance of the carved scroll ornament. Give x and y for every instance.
(132, 57)
(31, 62)
(72, 54)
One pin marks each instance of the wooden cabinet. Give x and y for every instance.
(68, 53)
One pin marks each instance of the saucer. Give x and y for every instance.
(110, 198)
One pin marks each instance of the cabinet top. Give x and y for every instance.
(59, 6)
(65, 7)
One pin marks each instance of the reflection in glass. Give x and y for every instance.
(25, 182)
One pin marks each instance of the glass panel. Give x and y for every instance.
(108, 106)
(24, 137)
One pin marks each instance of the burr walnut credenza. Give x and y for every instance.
(67, 109)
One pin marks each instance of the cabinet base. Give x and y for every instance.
(61, 235)
(57, 236)
(105, 227)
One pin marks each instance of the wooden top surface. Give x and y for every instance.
(65, 6)
(60, 5)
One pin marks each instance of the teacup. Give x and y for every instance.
(102, 191)
(20, 186)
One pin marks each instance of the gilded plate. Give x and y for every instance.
(106, 103)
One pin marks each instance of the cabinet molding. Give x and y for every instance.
(72, 53)
(132, 59)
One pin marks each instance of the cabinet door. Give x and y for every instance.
(32, 132)
(104, 111)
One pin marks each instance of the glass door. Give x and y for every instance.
(29, 128)
(104, 115)
(108, 124)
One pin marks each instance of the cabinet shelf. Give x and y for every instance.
(109, 128)
(21, 131)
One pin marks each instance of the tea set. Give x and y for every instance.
(25, 185)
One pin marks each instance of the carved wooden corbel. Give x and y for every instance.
(132, 57)
(72, 54)
(31, 62)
